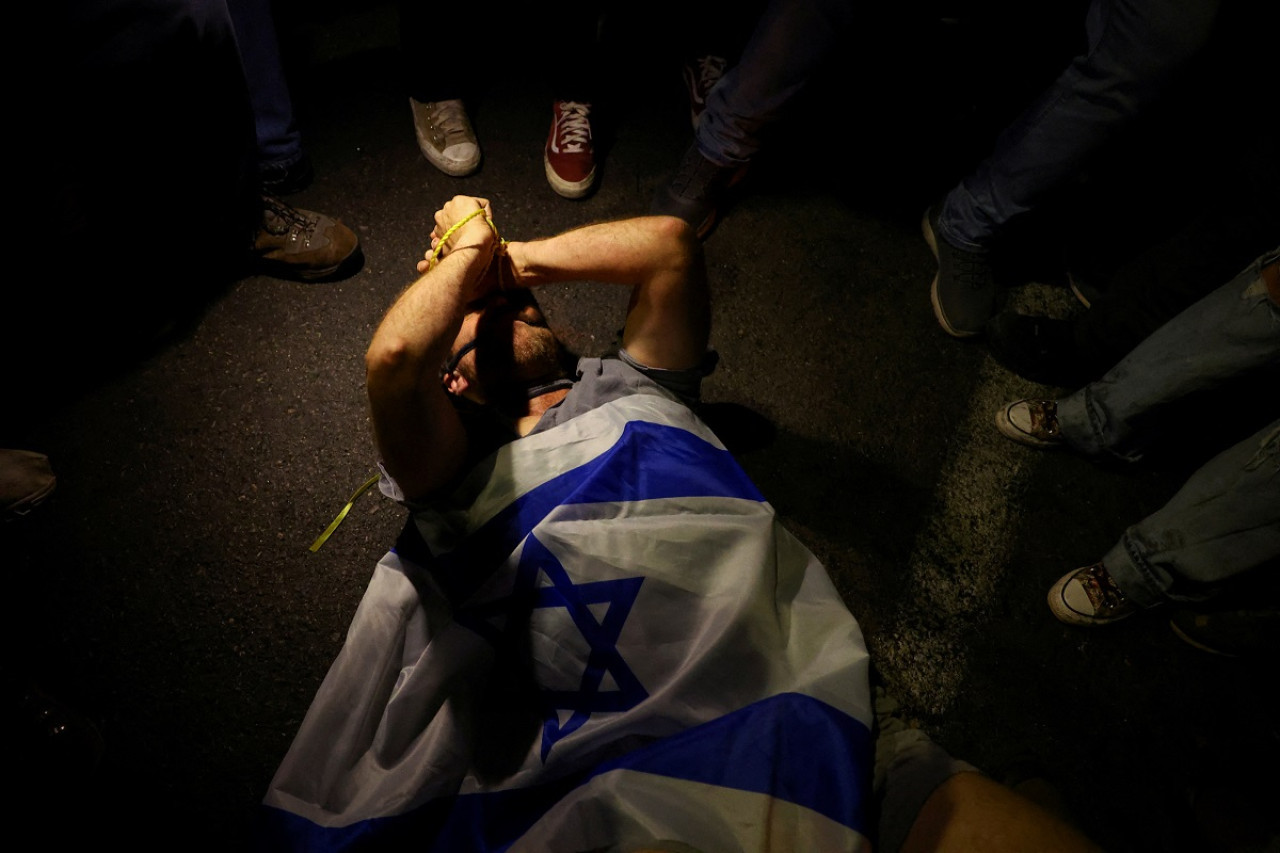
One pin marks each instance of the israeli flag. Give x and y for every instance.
(602, 642)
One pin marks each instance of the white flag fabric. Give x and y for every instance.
(604, 639)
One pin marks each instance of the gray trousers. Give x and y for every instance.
(1226, 519)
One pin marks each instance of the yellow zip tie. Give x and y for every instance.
(435, 253)
(368, 484)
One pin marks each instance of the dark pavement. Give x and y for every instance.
(167, 590)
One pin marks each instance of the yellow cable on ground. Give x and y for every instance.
(368, 484)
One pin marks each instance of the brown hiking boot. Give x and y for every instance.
(302, 244)
(26, 479)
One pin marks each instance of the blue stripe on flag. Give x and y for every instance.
(647, 462)
(790, 746)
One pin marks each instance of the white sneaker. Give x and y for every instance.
(445, 136)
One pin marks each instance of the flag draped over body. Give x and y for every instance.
(604, 638)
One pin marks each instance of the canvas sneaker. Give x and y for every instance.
(570, 157)
(701, 76)
(1030, 422)
(445, 136)
(301, 244)
(1089, 597)
(964, 289)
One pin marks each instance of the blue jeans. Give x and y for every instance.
(1134, 47)
(791, 41)
(279, 142)
(1226, 519)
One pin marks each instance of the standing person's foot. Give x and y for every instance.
(26, 479)
(1237, 631)
(302, 244)
(1031, 422)
(1089, 597)
(698, 191)
(569, 156)
(701, 75)
(964, 290)
(1042, 349)
(445, 136)
(286, 178)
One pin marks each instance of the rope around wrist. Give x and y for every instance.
(434, 258)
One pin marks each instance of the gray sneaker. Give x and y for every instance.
(445, 136)
(697, 192)
(964, 290)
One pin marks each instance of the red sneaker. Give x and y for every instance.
(569, 157)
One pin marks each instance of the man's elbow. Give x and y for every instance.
(387, 359)
(676, 239)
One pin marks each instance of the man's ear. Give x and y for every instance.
(455, 383)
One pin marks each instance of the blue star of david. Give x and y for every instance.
(601, 636)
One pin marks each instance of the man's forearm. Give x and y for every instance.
(416, 429)
(668, 321)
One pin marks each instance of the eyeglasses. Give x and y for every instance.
(452, 364)
(516, 297)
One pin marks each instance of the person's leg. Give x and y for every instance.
(440, 71)
(1231, 332)
(569, 156)
(792, 39)
(928, 800)
(1223, 522)
(970, 811)
(1134, 47)
(279, 141)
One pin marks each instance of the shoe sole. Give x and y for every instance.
(460, 170)
(288, 272)
(1194, 643)
(933, 288)
(568, 189)
(1079, 294)
(27, 505)
(1005, 424)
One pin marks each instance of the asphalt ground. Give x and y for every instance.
(167, 591)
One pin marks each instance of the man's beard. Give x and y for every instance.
(509, 365)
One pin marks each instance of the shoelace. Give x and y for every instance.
(279, 217)
(451, 118)
(1102, 590)
(573, 128)
(1044, 419)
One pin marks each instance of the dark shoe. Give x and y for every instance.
(1030, 422)
(1042, 349)
(26, 479)
(445, 136)
(301, 244)
(286, 178)
(569, 157)
(701, 76)
(697, 192)
(1230, 633)
(1089, 597)
(964, 289)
